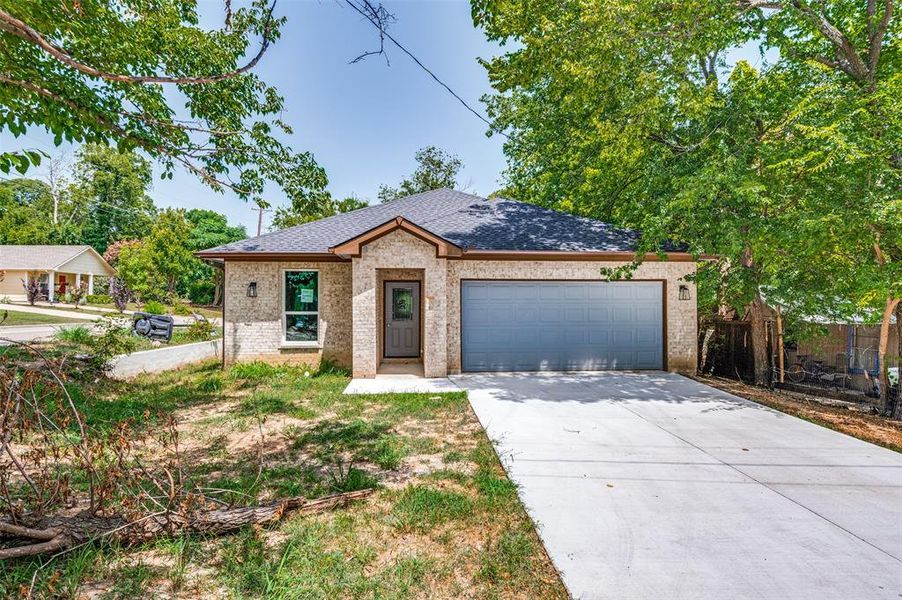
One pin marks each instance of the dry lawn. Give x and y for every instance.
(445, 522)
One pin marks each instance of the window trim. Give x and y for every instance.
(285, 342)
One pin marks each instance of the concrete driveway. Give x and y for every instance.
(654, 486)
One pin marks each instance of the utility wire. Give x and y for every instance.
(370, 13)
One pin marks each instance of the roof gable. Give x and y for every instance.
(352, 246)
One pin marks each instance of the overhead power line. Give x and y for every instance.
(380, 19)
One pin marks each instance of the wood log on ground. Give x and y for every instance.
(53, 534)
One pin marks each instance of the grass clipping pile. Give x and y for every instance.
(64, 485)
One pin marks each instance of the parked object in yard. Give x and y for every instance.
(154, 327)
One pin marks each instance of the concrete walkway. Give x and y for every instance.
(90, 313)
(31, 333)
(41, 310)
(655, 486)
(400, 384)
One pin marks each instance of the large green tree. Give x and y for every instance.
(110, 194)
(435, 169)
(154, 267)
(203, 283)
(146, 75)
(28, 214)
(788, 173)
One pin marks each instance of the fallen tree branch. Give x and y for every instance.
(58, 533)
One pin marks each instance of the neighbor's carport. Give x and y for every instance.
(656, 486)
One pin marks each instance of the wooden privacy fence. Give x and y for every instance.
(727, 352)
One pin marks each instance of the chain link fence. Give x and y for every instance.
(844, 364)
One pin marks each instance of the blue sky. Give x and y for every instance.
(363, 122)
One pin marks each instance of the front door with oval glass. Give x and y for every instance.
(402, 319)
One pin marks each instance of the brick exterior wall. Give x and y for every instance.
(253, 326)
(351, 310)
(392, 252)
(680, 316)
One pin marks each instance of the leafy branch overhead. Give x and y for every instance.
(112, 72)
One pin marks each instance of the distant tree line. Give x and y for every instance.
(104, 203)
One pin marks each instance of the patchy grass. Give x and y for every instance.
(445, 522)
(12, 317)
(870, 428)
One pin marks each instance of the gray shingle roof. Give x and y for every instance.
(468, 221)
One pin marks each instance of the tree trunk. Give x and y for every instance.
(217, 287)
(890, 308)
(759, 340)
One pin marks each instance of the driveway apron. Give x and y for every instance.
(654, 486)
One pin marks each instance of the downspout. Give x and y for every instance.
(223, 361)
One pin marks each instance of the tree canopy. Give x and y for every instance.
(109, 194)
(103, 72)
(789, 172)
(435, 169)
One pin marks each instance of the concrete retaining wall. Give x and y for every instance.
(166, 358)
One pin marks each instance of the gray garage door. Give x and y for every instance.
(561, 325)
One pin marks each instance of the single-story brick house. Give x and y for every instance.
(56, 268)
(457, 283)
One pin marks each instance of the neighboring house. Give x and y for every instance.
(458, 283)
(57, 268)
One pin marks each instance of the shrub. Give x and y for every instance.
(77, 293)
(115, 338)
(98, 299)
(181, 308)
(119, 293)
(80, 334)
(154, 307)
(32, 290)
(200, 331)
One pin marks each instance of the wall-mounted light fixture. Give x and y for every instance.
(252, 289)
(684, 292)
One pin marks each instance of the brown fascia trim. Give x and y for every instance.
(351, 247)
(274, 256)
(577, 256)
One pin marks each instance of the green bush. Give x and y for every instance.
(115, 338)
(80, 334)
(155, 308)
(200, 331)
(98, 299)
(181, 308)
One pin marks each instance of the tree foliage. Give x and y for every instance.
(110, 195)
(304, 212)
(154, 267)
(789, 173)
(435, 169)
(114, 72)
(26, 210)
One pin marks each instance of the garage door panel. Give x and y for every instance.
(575, 314)
(599, 314)
(647, 314)
(552, 325)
